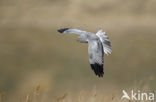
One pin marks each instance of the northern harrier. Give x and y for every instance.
(98, 45)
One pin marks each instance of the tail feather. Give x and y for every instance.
(105, 41)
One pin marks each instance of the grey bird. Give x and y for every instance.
(98, 44)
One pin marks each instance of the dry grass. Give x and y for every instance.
(36, 94)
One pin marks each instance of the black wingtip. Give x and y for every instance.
(98, 69)
(62, 30)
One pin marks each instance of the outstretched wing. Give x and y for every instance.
(96, 60)
(105, 41)
(73, 31)
(83, 35)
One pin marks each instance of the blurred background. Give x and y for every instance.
(33, 55)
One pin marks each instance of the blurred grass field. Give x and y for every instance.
(33, 54)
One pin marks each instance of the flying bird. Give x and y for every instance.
(98, 44)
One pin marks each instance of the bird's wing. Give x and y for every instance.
(73, 31)
(105, 41)
(96, 60)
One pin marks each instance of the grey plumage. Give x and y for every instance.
(98, 44)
